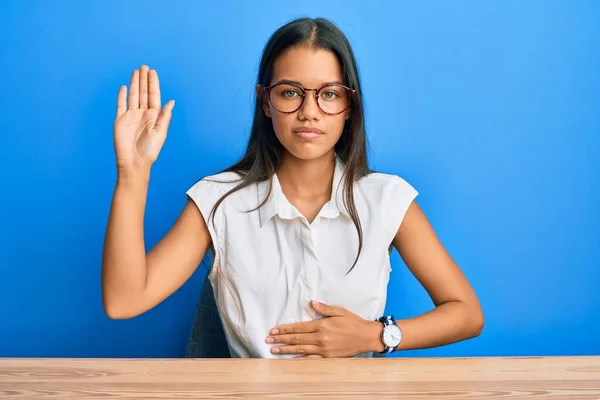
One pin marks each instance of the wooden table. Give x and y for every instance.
(391, 378)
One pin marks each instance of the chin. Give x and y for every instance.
(307, 152)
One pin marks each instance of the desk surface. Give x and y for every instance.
(391, 378)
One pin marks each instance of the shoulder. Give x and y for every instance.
(207, 191)
(388, 197)
(220, 183)
(379, 186)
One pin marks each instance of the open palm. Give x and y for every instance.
(140, 127)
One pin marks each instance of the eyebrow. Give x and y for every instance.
(299, 84)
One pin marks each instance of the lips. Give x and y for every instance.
(307, 133)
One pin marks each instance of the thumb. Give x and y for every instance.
(164, 117)
(327, 310)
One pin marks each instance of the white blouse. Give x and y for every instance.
(270, 263)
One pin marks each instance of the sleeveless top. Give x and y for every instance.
(268, 264)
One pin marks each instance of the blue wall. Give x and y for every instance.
(491, 109)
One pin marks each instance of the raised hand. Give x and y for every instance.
(140, 127)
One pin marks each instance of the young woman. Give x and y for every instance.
(300, 229)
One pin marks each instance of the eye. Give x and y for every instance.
(290, 93)
(331, 93)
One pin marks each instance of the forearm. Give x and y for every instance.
(448, 323)
(124, 259)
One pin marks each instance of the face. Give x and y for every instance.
(307, 133)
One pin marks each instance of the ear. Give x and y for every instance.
(265, 104)
(348, 114)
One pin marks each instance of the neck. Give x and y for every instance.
(306, 178)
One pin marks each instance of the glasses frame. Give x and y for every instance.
(266, 90)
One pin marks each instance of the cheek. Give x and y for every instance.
(339, 122)
(282, 124)
(335, 128)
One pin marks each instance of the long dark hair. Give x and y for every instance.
(264, 152)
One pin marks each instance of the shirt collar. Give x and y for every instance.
(277, 203)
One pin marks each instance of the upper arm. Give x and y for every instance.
(428, 260)
(173, 260)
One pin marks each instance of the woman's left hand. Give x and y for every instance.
(340, 334)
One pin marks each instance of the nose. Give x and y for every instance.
(310, 108)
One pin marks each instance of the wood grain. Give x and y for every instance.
(349, 379)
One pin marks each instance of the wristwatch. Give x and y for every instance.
(391, 334)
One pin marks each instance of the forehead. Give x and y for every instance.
(310, 67)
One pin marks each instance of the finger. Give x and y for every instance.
(144, 87)
(296, 349)
(294, 338)
(134, 88)
(164, 119)
(122, 101)
(306, 356)
(296, 327)
(328, 310)
(153, 90)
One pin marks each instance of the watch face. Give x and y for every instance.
(392, 335)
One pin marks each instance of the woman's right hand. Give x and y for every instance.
(140, 127)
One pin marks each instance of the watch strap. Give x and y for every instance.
(387, 320)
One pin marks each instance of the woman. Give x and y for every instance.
(300, 228)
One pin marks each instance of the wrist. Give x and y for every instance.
(133, 174)
(372, 335)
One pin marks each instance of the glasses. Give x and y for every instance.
(331, 98)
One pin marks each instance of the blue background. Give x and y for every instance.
(490, 109)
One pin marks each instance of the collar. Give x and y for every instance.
(278, 204)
